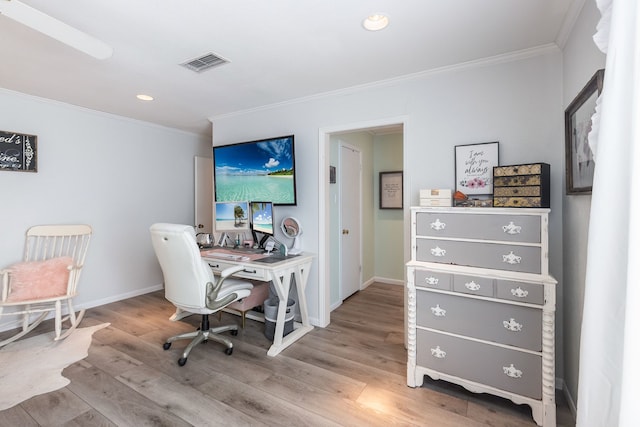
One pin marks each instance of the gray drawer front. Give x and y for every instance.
(433, 279)
(473, 285)
(509, 228)
(520, 291)
(477, 254)
(491, 321)
(481, 362)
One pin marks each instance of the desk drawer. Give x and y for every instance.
(487, 320)
(503, 368)
(250, 272)
(526, 259)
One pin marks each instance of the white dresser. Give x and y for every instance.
(481, 303)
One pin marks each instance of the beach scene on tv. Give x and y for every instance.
(259, 170)
(231, 216)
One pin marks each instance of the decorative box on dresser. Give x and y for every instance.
(481, 303)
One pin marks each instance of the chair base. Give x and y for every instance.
(203, 334)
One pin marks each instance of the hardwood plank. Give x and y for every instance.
(58, 406)
(186, 402)
(117, 402)
(260, 405)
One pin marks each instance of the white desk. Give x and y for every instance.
(280, 274)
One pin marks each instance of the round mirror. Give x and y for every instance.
(292, 228)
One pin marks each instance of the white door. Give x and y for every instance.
(203, 194)
(350, 181)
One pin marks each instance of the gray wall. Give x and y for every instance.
(515, 100)
(581, 59)
(115, 174)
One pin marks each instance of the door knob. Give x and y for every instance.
(345, 231)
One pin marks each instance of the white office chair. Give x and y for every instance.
(191, 286)
(46, 279)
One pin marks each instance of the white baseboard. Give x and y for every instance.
(17, 323)
(571, 403)
(388, 281)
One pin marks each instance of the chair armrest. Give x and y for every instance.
(230, 271)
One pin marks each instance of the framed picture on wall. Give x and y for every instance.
(474, 168)
(391, 190)
(577, 123)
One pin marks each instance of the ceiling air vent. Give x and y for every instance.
(204, 62)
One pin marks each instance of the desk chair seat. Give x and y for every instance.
(191, 286)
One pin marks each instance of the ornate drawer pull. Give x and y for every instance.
(432, 280)
(512, 371)
(436, 352)
(519, 292)
(511, 228)
(438, 312)
(512, 325)
(437, 225)
(472, 286)
(437, 251)
(511, 258)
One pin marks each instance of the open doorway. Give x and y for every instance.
(381, 144)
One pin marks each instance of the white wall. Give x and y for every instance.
(516, 102)
(581, 59)
(115, 174)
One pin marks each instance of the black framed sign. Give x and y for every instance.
(391, 190)
(474, 167)
(18, 152)
(577, 125)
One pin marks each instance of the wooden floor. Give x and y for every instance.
(352, 373)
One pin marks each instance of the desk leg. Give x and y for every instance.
(282, 284)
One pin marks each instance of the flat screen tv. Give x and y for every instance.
(256, 170)
(231, 216)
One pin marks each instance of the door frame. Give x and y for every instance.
(324, 146)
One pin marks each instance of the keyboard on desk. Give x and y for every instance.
(232, 257)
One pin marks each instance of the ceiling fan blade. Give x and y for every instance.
(55, 29)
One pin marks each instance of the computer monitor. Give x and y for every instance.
(262, 219)
(231, 216)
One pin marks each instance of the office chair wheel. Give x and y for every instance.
(234, 332)
(228, 351)
(182, 361)
(166, 345)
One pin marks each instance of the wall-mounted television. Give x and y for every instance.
(231, 216)
(256, 170)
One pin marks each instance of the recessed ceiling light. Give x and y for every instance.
(142, 97)
(376, 22)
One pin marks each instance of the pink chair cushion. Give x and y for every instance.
(39, 279)
(259, 293)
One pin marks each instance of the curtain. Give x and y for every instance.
(610, 341)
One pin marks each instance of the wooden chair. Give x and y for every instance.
(54, 256)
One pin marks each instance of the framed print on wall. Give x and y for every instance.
(577, 124)
(391, 190)
(474, 168)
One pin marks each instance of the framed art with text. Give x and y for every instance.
(577, 123)
(18, 152)
(474, 168)
(391, 190)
